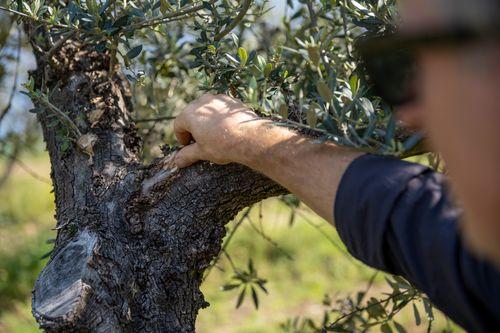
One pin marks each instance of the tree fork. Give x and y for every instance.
(132, 240)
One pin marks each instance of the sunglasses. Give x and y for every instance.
(391, 63)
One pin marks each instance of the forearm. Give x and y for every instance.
(310, 170)
(222, 130)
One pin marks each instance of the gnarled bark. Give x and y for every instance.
(133, 240)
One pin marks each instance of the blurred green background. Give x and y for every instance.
(297, 286)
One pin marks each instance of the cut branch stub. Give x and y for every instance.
(61, 290)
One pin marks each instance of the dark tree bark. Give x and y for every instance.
(132, 240)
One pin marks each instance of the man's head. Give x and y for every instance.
(458, 92)
(456, 100)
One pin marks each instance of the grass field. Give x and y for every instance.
(308, 262)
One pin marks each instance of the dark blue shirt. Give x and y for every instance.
(397, 217)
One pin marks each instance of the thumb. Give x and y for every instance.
(188, 155)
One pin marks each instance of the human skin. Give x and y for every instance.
(457, 108)
(222, 130)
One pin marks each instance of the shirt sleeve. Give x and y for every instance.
(397, 217)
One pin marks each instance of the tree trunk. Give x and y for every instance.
(132, 240)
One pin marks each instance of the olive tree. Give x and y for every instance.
(135, 234)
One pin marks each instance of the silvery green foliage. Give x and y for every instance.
(300, 68)
(360, 313)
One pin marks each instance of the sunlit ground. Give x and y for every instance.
(318, 264)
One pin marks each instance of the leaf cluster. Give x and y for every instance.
(246, 281)
(360, 314)
(303, 70)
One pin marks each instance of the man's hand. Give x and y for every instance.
(213, 128)
(223, 130)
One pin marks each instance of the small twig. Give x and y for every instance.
(61, 115)
(36, 19)
(112, 56)
(344, 24)
(312, 14)
(10, 165)
(145, 120)
(110, 5)
(167, 17)
(32, 173)
(27, 169)
(332, 241)
(244, 9)
(145, 23)
(358, 309)
(37, 48)
(370, 282)
(393, 313)
(260, 217)
(16, 74)
(233, 266)
(429, 326)
(226, 242)
(269, 240)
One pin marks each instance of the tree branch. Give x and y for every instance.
(167, 17)
(145, 120)
(13, 158)
(58, 113)
(312, 14)
(244, 9)
(227, 241)
(13, 90)
(36, 19)
(358, 309)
